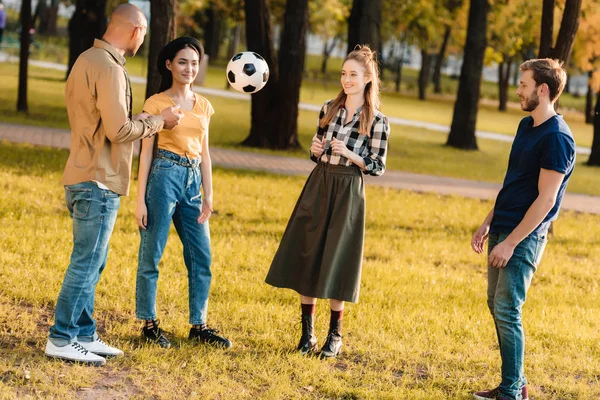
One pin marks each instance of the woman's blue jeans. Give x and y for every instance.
(507, 290)
(173, 193)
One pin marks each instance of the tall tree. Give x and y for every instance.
(162, 31)
(586, 51)
(275, 107)
(595, 154)
(87, 23)
(52, 16)
(452, 7)
(364, 25)
(212, 31)
(462, 130)
(24, 55)
(566, 34)
(512, 27)
(329, 20)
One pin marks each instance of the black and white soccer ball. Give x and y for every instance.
(247, 72)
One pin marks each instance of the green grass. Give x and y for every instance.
(411, 149)
(420, 331)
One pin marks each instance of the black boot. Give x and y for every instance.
(308, 341)
(333, 343)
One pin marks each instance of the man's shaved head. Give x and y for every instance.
(126, 29)
(128, 14)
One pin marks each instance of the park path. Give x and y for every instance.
(227, 158)
(4, 57)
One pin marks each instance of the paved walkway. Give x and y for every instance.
(303, 106)
(60, 138)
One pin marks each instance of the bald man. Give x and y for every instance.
(103, 129)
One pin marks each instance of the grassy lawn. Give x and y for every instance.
(420, 331)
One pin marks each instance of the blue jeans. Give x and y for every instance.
(173, 193)
(507, 290)
(94, 212)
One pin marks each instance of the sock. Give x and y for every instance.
(308, 309)
(199, 327)
(335, 321)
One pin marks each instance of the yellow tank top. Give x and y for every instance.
(186, 138)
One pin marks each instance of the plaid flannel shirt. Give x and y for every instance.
(372, 149)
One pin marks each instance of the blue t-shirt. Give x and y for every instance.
(550, 146)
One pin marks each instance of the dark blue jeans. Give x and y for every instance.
(507, 290)
(94, 212)
(173, 193)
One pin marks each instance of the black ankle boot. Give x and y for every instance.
(308, 341)
(333, 343)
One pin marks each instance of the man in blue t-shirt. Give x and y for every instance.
(539, 167)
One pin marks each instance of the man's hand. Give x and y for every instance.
(171, 116)
(500, 254)
(479, 238)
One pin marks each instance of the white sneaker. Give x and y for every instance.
(74, 352)
(100, 348)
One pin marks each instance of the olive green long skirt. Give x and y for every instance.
(320, 254)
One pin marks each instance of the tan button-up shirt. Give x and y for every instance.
(98, 99)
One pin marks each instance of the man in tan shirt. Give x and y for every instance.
(103, 129)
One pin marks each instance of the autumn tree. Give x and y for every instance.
(586, 57)
(513, 27)
(569, 24)
(364, 24)
(274, 109)
(328, 20)
(462, 130)
(448, 21)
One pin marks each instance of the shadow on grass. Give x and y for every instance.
(24, 159)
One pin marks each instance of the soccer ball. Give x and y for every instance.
(247, 72)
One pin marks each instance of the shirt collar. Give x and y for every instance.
(101, 44)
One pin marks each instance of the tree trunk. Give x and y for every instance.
(234, 41)
(24, 55)
(503, 83)
(292, 53)
(568, 30)
(399, 66)
(275, 107)
(87, 23)
(424, 73)
(364, 25)
(259, 38)
(41, 14)
(52, 17)
(162, 31)
(439, 61)
(589, 100)
(327, 49)
(212, 33)
(547, 28)
(462, 130)
(595, 155)
(566, 34)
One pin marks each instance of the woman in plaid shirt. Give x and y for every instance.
(320, 254)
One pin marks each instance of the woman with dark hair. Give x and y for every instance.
(320, 254)
(169, 184)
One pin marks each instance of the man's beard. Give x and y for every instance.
(531, 103)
